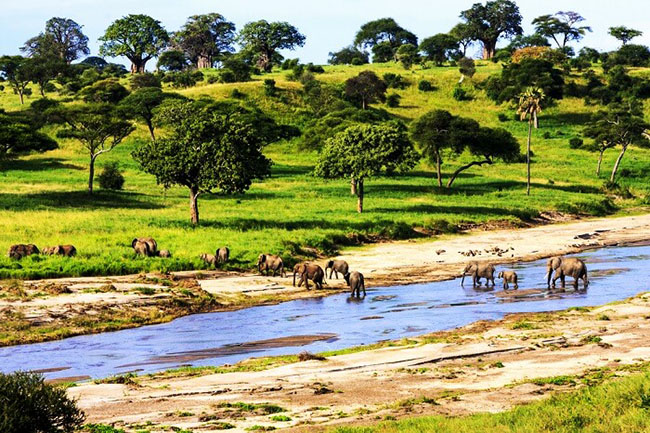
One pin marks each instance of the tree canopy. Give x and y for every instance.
(17, 71)
(440, 48)
(563, 27)
(365, 89)
(491, 21)
(624, 34)
(348, 56)
(137, 37)
(384, 37)
(262, 40)
(205, 39)
(142, 103)
(18, 137)
(63, 37)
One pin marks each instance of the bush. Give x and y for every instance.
(289, 64)
(109, 91)
(237, 94)
(111, 177)
(460, 94)
(139, 81)
(426, 86)
(503, 117)
(315, 69)
(213, 79)
(183, 79)
(575, 143)
(29, 405)
(393, 99)
(395, 81)
(269, 87)
(227, 76)
(546, 135)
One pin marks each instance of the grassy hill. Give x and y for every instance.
(43, 198)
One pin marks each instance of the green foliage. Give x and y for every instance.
(562, 27)
(16, 70)
(467, 67)
(392, 100)
(19, 137)
(365, 89)
(111, 177)
(575, 143)
(629, 55)
(493, 20)
(262, 40)
(460, 94)
(172, 60)
(516, 77)
(426, 86)
(624, 34)
(205, 39)
(101, 428)
(348, 56)
(407, 55)
(235, 69)
(108, 91)
(395, 81)
(142, 103)
(63, 38)
(269, 87)
(183, 79)
(29, 405)
(384, 37)
(440, 48)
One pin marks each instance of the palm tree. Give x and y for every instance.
(530, 105)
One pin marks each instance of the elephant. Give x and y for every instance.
(336, 266)
(270, 262)
(145, 246)
(309, 271)
(509, 277)
(60, 250)
(356, 282)
(209, 259)
(566, 266)
(223, 254)
(19, 251)
(477, 271)
(165, 254)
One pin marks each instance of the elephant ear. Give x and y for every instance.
(133, 242)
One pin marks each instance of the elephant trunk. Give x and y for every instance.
(548, 277)
(462, 281)
(294, 278)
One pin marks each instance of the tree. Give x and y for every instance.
(530, 105)
(487, 143)
(29, 405)
(63, 37)
(492, 21)
(620, 124)
(142, 103)
(440, 48)
(348, 56)
(97, 127)
(95, 62)
(433, 133)
(363, 151)
(43, 69)
(208, 150)
(108, 91)
(365, 89)
(407, 55)
(16, 70)
(205, 39)
(18, 137)
(262, 40)
(384, 37)
(516, 77)
(173, 60)
(562, 27)
(624, 34)
(137, 37)
(462, 32)
(467, 68)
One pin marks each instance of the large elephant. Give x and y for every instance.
(270, 262)
(477, 271)
(60, 250)
(356, 282)
(336, 267)
(145, 246)
(563, 267)
(309, 271)
(223, 254)
(19, 251)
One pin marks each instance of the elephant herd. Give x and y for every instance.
(20, 251)
(306, 271)
(557, 268)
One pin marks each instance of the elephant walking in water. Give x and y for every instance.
(563, 267)
(356, 282)
(477, 271)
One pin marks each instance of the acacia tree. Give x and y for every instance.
(563, 27)
(205, 39)
(530, 105)
(462, 33)
(348, 56)
(207, 150)
(98, 127)
(17, 138)
(492, 21)
(63, 37)
(262, 40)
(440, 48)
(433, 132)
(624, 34)
(365, 89)
(384, 37)
(362, 151)
(620, 124)
(137, 37)
(17, 71)
(407, 55)
(142, 103)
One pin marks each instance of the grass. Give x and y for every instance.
(621, 405)
(43, 198)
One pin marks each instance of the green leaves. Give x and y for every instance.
(262, 40)
(17, 138)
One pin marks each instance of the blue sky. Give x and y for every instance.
(328, 25)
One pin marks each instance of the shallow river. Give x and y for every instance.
(324, 324)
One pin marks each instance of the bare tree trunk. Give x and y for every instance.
(194, 206)
(21, 94)
(530, 131)
(439, 172)
(353, 186)
(91, 174)
(150, 126)
(360, 196)
(463, 168)
(618, 162)
(600, 161)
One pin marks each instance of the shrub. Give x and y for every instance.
(546, 135)
(29, 405)
(213, 79)
(183, 79)
(269, 87)
(289, 64)
(227, 76)
(503, 117)
(315, 69)
(237, 94)
(393, 99)
(139, 81)
(426, 86)
(111, 177)
(460, 94)
(576, 143)
(109, 91)
(395, 81)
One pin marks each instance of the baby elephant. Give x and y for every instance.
(60, 250)
(223, 254)
(165, 254)
(209, 259)
(336, 267)
(19, 251)
(356, 282)
(308, 271)
(508, 277)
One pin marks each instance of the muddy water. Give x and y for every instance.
(325, 324)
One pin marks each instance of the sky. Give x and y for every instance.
(328, 25)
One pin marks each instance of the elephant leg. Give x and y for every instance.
(335, 273)
(306, 282)
(505, 284)
(575, 284)
(563, 279)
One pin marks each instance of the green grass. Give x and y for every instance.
(43, 198)
(621, 406)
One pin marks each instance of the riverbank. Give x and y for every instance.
(488, 366)
(42, 310)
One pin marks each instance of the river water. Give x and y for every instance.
(328, 323)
